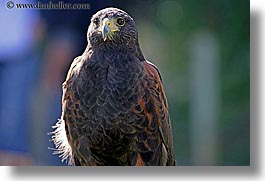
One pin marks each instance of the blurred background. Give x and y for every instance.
(200, 47)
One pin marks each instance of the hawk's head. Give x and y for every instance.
(112, 26)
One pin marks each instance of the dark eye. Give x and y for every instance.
(120, 21)
(96, 21)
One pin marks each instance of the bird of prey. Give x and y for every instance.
(114, 107)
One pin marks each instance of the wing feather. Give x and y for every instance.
(61, 135)
(155, 142)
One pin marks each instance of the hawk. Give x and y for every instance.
(114, 107)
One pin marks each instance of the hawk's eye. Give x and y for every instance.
(96, 21)
(120, 21)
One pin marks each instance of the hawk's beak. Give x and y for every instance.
(107, 29)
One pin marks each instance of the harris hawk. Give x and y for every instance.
(114, 107)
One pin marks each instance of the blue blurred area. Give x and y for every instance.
(209, 109)
(17, 70)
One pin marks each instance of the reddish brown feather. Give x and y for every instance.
(159, 101)
(139, 161)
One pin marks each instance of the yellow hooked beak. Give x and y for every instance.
(108, 28)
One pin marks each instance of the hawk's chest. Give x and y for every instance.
(107, 91)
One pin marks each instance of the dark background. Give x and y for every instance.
(200, 47)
